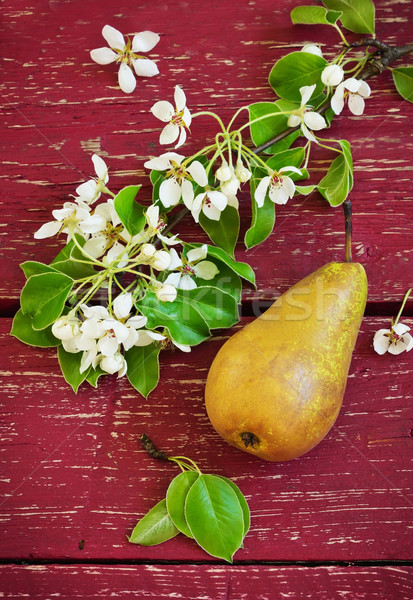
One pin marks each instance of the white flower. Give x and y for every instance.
(178, 182)
(312, 49)
(356, 90)
(332, 75)
(108, 230)
(66, 327)
(280, 187)
(231, 179)
(394, 340)
(212, 203)
(155, 226)
(306, 118)
(117, 251)
(242, 172)
(113, 364)
(122, 52)
(166, 293)
(91, 190)
(69, 220)
(177, 118)
(193, 266)
(160, 260)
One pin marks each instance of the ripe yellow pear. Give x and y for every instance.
(275, 388)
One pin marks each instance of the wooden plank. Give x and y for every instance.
(200, 582)
(70, 107)
(73, 469)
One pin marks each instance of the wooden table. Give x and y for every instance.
(333, 524)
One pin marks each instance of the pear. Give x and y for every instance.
(275, 388)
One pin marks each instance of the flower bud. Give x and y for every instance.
(224, 172)
(166, 293)
(312, 49)
(332, 75)
(66, 327)
(161, 260)
(242, 172)
(148, 250)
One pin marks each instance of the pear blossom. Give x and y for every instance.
(160, 260)
(66, 327)
(211, 203)
(394, 340)
(91, 190)
(332, 75)
(177, 117)
(305, 117)
(280, 188)
(193, 266)
(117, 251)
(155, 226)
(69, 220)
(357, 91)
(231, 179)
(178, 182)
(312, 49)
(166, 292)
(128, 55)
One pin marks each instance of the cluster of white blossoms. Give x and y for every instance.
(102, 337)
(127, 55)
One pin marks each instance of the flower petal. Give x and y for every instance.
(182, 347)
(96, 245)
(218, 199)
(87, 190)
(47, 230)
(288, 186)
(332, 75)
(352, 85)
(307, 133)
(93, 224)
(187, 192)
(175, 260)
(337, 101)
(312, 49)
(197, 253)
(206, 270)
(293, 121)
(145, 67)
(173, 279)
(163, 110)
(169, 134)
(122, 305)
(397, 347)
(187, 283)
(381, 341)
(103, 56)
(356, 104)
(182, 138)
(261, 190)
(113, 37)
(211, 211)
(126, 79)
(170, 192)
(306, 92)
(144, 41)
(163, 162)
(364, 89)
(293, 169)
(180, 98)
(278, 195)
(198, 173)
(314, 121)
(187, 117)
(101, 169)
(400, 328)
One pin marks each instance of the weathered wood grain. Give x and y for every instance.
(73, 469)
(59, 107)
(200, 582)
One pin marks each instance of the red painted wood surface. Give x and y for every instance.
(202, 582)
(73, 474)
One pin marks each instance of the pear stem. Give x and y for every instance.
(347, 207)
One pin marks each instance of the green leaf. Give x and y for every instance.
(358, 15)
(223, 233)
(143, 367)
(93, 376)
(183, 321)
(268, 127)
(70, 366)
(305, 190)
(314, 15)
(32, 267)
(22, 329)
(283, 144)
(242, 269)
(131, 213)
(44, 296)
(220, 310)
(214, 516)
(244, 505)
(155, 527)
(338, 181)
(263, 218)
(403, 80)
(295, 70)
(66, 261)
(175, 499)
(289, 158)
(226, 280)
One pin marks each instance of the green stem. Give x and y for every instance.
(211, 114)
(402, 306)
(274, 114)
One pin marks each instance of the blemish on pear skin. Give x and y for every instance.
(250, 439)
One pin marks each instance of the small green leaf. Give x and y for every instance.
(295, 70)
(70, 366)
(314, 15)
(22, 329)
(44, 296)
(131, 213)
(175, 499)
(223, 233)
(219, 310)
(242, 269)
(183, 321)
(305, 190)
(289, 158)
(338, 181)
(93, 376)
(244, 505)
(263, 218)
(358, 15)
(214, 516)
(268, 127)
(226, 280)
(143, 367)
(155, 527)
(403, 80)
(66, 261)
